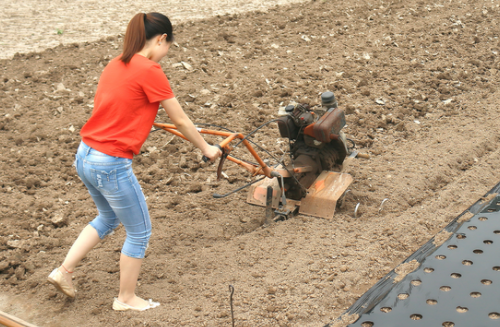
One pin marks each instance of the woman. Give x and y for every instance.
(128, 95)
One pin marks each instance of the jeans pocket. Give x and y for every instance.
(104, 181)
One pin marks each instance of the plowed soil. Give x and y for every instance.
(418, 80)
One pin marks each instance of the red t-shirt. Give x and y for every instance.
(125, 106)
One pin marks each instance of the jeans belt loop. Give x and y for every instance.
(87, 150)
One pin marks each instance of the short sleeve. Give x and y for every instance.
(156, 86)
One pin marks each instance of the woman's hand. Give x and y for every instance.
(212, 152)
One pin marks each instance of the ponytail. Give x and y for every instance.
(141, 28)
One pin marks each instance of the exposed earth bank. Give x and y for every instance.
(418, 81)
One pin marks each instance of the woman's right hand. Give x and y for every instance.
(187, 128)
(212, 152)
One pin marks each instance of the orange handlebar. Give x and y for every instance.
(262, 169)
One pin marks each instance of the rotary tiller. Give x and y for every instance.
(312, 181)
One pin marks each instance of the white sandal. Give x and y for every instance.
(120, 306)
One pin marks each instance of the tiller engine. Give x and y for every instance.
(312, 179)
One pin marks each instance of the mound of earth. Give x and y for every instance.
(418, 81)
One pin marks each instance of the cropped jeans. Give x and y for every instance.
(118, 197)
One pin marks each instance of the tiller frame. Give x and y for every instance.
(321, 197)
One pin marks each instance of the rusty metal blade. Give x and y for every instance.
(324, 193)
(258, 192)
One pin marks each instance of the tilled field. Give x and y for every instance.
(418, 81)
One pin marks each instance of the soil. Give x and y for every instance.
(418, 81)
(35, 25)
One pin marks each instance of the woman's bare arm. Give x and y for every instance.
(186, 127)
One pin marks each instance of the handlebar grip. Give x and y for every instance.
(205, 158)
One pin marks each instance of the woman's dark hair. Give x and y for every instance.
(143, 27)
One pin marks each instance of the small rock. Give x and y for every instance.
(59, 220)
(20, 272)
(271, 290)
(343, 268)
(183, 162)
(401, 127)
(256, 275)
(223, 314)
(96, 311)
(113, 269)
(186, 65)
(15, 244)
(271, 308)
(60, 87)
(4, 265)
(349, 109)
(29, 266)
(195, 188)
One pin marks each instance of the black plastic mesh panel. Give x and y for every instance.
(457, 284)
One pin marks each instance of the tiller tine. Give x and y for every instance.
(225, 153)
(258, 193)
(322, 196)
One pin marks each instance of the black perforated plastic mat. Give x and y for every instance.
(457, 284)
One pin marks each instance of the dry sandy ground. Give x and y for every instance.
(418, 80)
(35, 25)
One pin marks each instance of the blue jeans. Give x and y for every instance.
(118, 197)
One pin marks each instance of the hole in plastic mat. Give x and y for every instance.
(416, 316)
(467, 263)
(428, 270)
(431, 302)
(455, 275)
(367, 324)
(403, 296)
(462, 309)
(483, 218)
(416, 282)
(486, 282)
(497, 232)
(452, 247)
(448, 324)
(478, 251)
(445, 288)
(475, 294)
(488, 242)
(461, 236)
(472, 227)
(491, 210)
(440, 257)
(494, 315)
(386, 309)
(496, 268)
